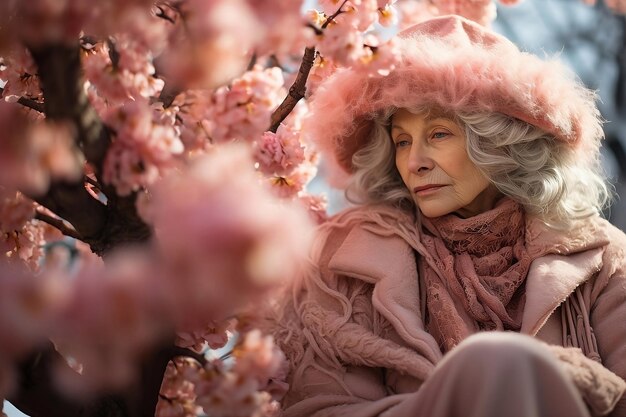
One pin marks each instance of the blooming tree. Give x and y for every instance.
(153, 165)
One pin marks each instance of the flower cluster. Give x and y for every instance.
(32, 155)
(112, 313)
(250, 386)
(130, 77)
(145, 145)
(285, 32)
(242, 111)
(20, 73)
(344, 37)
(249, 244)
(481, 11)
(20, 238)
(40, 22)
(279, 153)
(213, 334)
(27, 305)
(208, 47)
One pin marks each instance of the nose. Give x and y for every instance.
(419, 159)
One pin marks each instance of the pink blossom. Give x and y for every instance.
(222, 239)
(20, 73)
(280, 152)
(145, 145)
(177, 391)
(284, 27)
(388, 16)
(414, 12)
(323, 68)
(30, 155)
(15, 210)
(289, 186)
(21, 239)
(208, 47)
(480, 11)
(132, 78)
(235, 396)
(256, 356)
(380, 59)
(214, 334)
(243, 111)
(61, 21)
(113, 314)
(316, 206)
(29, 305)
(341, 42)
(192, 113)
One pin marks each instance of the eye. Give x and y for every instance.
(401, 143)
(440, 134)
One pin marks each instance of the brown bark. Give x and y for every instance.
(38, 397)
(104, 226)
(296, 91)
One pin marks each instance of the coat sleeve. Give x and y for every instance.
(608, 314)
(331, 335)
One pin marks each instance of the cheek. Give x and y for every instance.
(402, 168)
(475, 182)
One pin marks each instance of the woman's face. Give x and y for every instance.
(432, 160)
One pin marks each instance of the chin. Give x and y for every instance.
(433, 210)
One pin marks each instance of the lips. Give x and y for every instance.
(427, 187)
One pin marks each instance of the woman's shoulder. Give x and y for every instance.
(382, 220)
(378, 219)
(586, 234)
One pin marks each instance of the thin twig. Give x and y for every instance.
(93, 182)
(59, 224)
(161, 13)
(296, 91)
(27, 102)
(114, 54)
(168, 94)
(252, 62)
(334, 15)
(31, 104)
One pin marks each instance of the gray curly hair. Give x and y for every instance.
(524, 162)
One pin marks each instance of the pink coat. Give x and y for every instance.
(356, 341)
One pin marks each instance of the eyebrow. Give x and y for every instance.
(431, 116)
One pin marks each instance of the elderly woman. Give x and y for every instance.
(475, 277)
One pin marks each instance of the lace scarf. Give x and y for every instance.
(480, 269)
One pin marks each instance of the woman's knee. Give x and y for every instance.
(501, 347)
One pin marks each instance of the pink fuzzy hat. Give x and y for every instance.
(458, 65)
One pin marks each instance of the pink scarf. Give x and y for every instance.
(482, 263)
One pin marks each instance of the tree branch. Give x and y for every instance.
(59, 224)
(35, 382)
(188, 353)
(72, 202)
(332, 17)
(59, 70)
(27, 102)
(296, 91)
(38, 397)
(93, 182)
(168, 94)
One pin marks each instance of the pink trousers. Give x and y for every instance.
(495, 375)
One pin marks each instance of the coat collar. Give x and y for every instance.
(386, 260)
(388, 263)
(551, 279)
